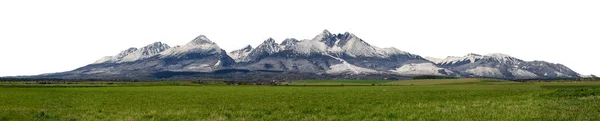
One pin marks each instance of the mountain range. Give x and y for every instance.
(325, 56)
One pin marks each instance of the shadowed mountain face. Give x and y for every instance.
(335, 55)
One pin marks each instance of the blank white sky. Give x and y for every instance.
(42, 36)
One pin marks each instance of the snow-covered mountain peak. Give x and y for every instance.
(116, 58)
(269, 41)
(327, 38)
(146, 51)
(355, 47)
(469, 58)
(200, 44)
(126, 52)
(248, 47)
(473, 55)
(503, 58)
(326, 32)
(133, 54)
(287, 43)
(347, 34)
(158, 46)
(159, 43)
(290, 41)
(201, 40)
(241, 54)
(266, 48)
(269, 46)
(498, 55)
(472, 58)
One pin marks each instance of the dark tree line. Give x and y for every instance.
(434, 77)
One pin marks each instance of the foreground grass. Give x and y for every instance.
(457, 101)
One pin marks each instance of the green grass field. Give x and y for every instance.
(460, 99)
(398, 83)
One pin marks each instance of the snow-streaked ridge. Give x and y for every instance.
(241, 54)
(523, 74)
(486, 72)
(346, 67)
(269, 46)
(472, 58)
(336, 44)
(200, 44)
(134, 54)
(422, 69)
(146, 52)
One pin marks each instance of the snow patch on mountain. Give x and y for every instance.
(287, 43)
(524, 74)
(197, 67)
(116, 58)
(471, 58)
(241, 54)
(309, 46)
(217, 64)
(346, 67)
(559, 74)
(486, 72)
(105, 59)
(356, 47)
(422, 69)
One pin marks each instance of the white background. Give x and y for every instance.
(43, 36)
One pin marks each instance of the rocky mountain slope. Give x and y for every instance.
(504, 66)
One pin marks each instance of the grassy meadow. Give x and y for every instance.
(445, 99)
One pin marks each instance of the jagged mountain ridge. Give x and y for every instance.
(133, 54)
(497, 65)
(199, 55)
(334, 54)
